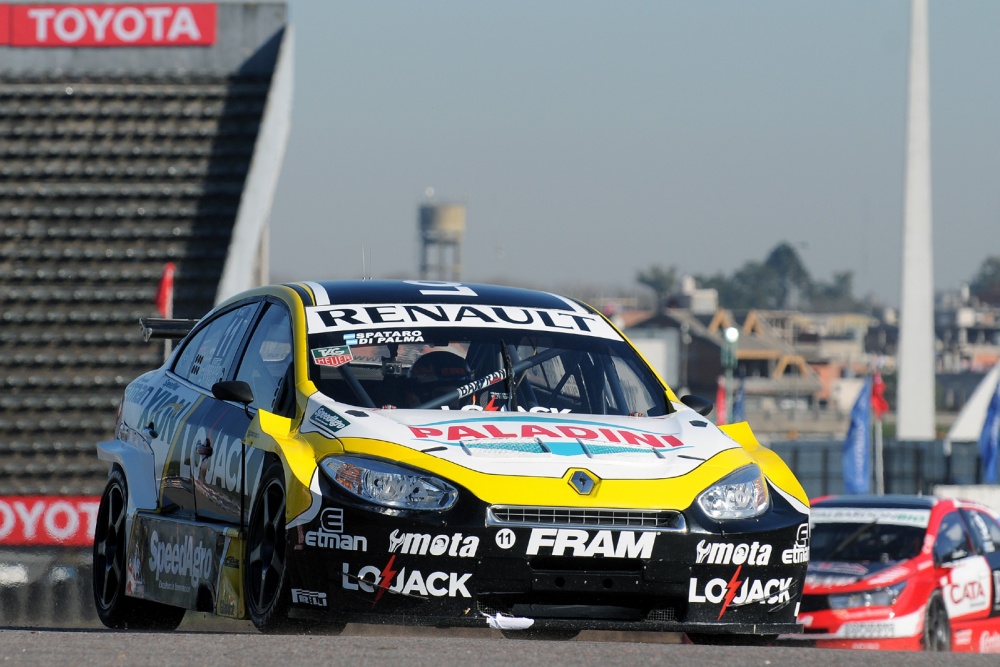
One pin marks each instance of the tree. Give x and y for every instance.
(781, 282)
(789, 275)
(835, 296)
(661, 280)
(986, 285)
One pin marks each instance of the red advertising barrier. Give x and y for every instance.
(38, 521)
(171, 24)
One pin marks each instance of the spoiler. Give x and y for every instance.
(160, 328)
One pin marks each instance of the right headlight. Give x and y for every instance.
(877, 597)
(740, 495)
(388, 484)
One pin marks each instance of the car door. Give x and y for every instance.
(202, 473)
(986, 536)
(964, 575)
(265, 364)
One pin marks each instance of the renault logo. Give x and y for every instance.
(583, 481)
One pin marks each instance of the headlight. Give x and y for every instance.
(390, 485)
(878, 597)
(741, 495)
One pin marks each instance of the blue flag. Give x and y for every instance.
(989, 439)
(857, 453)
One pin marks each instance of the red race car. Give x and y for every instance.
(903, 573)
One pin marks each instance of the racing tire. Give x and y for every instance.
(115, 609)
(937, 627)
(265, 574)
(732, 640)
(542, 634)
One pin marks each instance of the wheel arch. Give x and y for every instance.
(135, 465)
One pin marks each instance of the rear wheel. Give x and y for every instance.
(937, 627)
(114, 608)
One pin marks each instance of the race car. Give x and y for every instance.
(903, 573)
(438, 453)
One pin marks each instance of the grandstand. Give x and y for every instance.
(121, 150)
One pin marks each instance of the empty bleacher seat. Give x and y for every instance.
(101, 181)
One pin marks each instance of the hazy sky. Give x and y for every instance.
(590, 140)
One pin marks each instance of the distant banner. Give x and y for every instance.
(38, 521)
(989, 439)
(96, 25)
(857, 447)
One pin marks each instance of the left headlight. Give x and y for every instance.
(388, 484)
(740, 495)
(878, 597)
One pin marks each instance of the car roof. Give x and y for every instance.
(897, 501)
(417, 291)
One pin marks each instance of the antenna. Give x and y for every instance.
(366, 268)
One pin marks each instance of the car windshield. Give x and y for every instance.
(484, 369)
(864, 542)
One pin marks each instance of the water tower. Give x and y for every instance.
(441, 230)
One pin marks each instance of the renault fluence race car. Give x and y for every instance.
(436, 453)
(903, 573)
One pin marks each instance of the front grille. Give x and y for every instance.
(667, 615)
(580, 517)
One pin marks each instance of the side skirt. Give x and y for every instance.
(186, 564)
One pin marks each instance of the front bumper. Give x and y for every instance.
(881, 627)
(560, 570)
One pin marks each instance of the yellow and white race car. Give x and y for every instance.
(434, 453)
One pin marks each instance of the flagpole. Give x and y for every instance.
(879, 470)
(879, 407)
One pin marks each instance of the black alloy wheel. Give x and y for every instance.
(937, 627)
(265, 578)
(115, 609)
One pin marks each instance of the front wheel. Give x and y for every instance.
(115, 609)
(937, 627)
(265, 578)
(265, 575)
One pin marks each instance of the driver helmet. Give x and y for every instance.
(437, 373)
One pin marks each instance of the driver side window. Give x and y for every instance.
(267, 363)
(952, 541)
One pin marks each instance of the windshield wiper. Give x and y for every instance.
(851, 539)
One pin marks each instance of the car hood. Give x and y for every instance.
(823, 576)
(530, 444)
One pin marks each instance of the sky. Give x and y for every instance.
(591, 140)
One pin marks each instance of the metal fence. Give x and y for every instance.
(910, 467)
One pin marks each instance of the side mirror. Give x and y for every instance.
(233, 390)
(958, 553)
(702, 406)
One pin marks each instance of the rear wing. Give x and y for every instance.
(161, 328)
